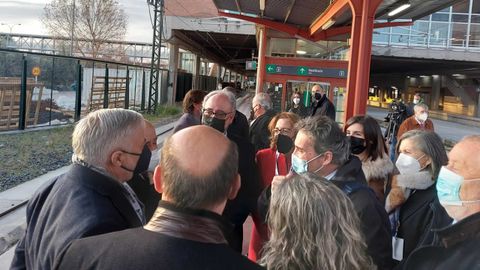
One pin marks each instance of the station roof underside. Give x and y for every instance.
(303, 13)
(230, 50)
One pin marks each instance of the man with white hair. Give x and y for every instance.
(262, 113)
(92, 197)
(417, 121)
(218, 112)
(458, 188)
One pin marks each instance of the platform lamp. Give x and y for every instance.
(262, 6)
(403, 6)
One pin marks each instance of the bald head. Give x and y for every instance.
(464, 160)
(198, 167)
(150, 136)
(199, 150)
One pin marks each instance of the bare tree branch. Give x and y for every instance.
(95, 20)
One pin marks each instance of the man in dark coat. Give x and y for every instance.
(321, 105)
(239, 126)
(262, 114)
(197, 174)
(322, 148)
(92, 197)
(458, 187)
(219, 108)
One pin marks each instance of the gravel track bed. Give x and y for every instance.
(25, 156)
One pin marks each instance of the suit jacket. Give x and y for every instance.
(455, 247)
(177, 239)
(77, 204)
(259, 133)
(238, 209)
(239, 125)
(146, 193)
(411, 124)
(323, 107)
(186, 120)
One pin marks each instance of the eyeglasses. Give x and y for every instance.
(218, 114)
(282, 130)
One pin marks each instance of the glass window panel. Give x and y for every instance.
(476, 7)
(427, 18)
(440, 17)
(380, 37)
(475, 18)
(283, 45)
(399, 39)
(459, 34)
(419, 33)
(459, 18)
(474, 35)
(461, 7)
(445, 10)
(438, 34)
(400, 30)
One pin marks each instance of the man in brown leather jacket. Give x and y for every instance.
(197, 174)
(417, 121)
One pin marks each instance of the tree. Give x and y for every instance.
(93, 22)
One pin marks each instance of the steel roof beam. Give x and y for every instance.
(336, 8)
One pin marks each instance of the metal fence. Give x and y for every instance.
(42, 90)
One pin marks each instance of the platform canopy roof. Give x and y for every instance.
(230, 50)
(314, 15)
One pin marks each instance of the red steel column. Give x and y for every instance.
(360, 55)
(262, 45)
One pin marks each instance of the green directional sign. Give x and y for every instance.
(271, 68)
(302, 70)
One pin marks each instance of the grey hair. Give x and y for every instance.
(420, 105)
(327, 136)
(191, 191)
(264, 100)
(313, 226)
(100, 132)
(228, 94)
(431, 145)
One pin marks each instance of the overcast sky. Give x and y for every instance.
(28, 13)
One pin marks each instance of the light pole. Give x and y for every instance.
(73, 28)
(11, 26)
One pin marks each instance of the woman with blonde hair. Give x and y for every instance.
(313, 226)
(272, 161)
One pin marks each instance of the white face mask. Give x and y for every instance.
(154, 160)
(415, 101)
(296, 101)
(407, 164)
(422, 117)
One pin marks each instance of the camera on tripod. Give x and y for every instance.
(397, 108)
(397, 114)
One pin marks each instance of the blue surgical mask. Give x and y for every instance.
(301, 166)
(448, 187)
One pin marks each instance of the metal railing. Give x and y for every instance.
(43, 90)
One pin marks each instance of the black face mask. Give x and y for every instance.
(284, 144)
(218, 124)
(357, 145)
(143, 161)
(318, 96)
